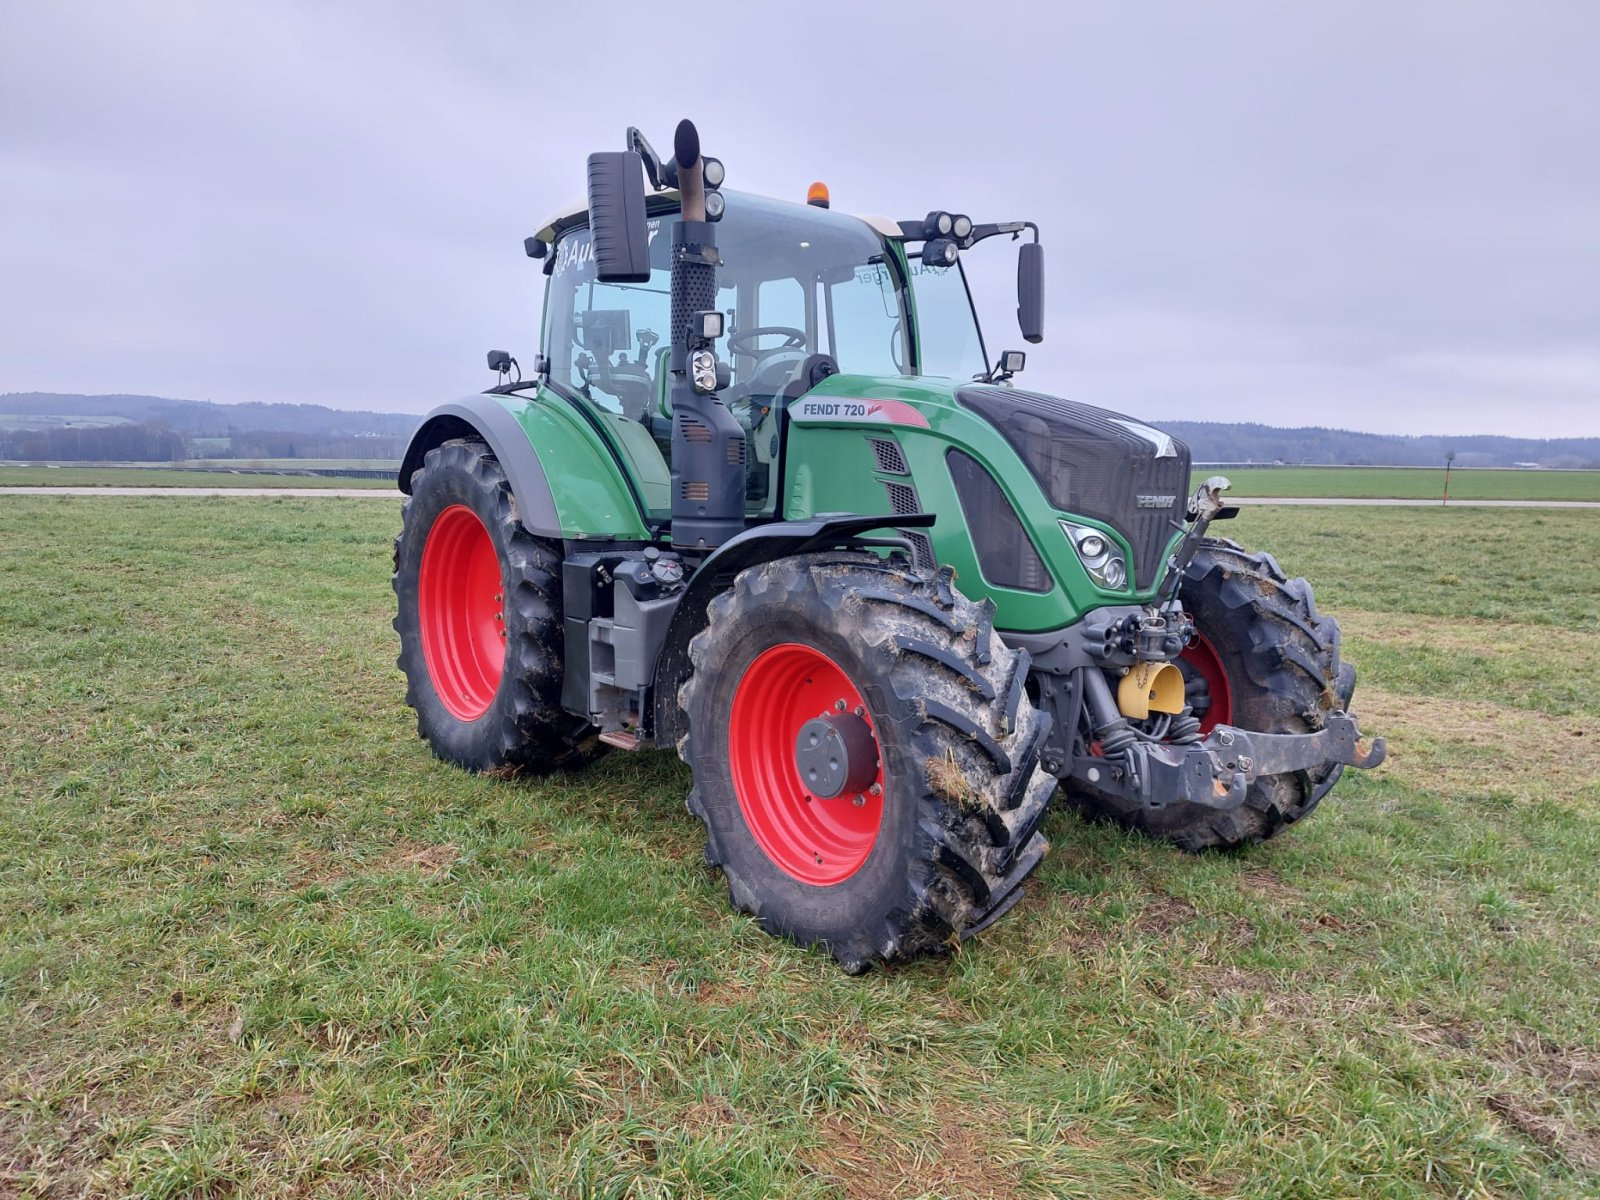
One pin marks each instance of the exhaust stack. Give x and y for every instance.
(708, 444)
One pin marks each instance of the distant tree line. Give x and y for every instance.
(152, 441)
(144, 441)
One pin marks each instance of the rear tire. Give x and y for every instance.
(1266, 660)
(479, 619)
(943, 850)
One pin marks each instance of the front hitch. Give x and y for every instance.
(1218, 771)
(1257, 754)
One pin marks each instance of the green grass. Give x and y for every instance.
(170, 477)
(256, 942)
(1411, 483)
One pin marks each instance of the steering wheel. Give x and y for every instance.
(742, 342)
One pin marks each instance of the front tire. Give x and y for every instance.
(1264, 659)
(479, 619)
(934, 838)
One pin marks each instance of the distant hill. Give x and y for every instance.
(1239, 443)
(201, 418)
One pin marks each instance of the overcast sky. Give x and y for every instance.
(1377, 216)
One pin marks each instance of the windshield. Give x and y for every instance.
(795, 281)
(947, 328)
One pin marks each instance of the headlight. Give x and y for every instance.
(703, 367)
(1099, 556)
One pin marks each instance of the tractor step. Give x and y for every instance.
(622, 739)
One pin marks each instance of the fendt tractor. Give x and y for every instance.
(766, 498)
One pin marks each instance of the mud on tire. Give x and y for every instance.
(522, 726)
(1280, 657)
(956, 736)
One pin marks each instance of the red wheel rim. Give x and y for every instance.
(459, 609)
(816, 841)
(1201, 655)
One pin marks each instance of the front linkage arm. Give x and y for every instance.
(1218, 771)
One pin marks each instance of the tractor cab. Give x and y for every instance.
(806, 294)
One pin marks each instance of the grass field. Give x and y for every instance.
(1407, 483)
(173, 477)
(255, 942)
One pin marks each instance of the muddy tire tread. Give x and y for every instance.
(941, 672)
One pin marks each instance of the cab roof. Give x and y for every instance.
(667, 199)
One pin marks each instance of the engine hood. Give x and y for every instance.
(1095, 463)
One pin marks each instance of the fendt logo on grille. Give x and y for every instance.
(1156, 501)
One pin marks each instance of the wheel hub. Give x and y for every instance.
(461, 613)
(836, 755)
(787, 694)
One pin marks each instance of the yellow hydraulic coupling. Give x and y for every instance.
(1150, 685)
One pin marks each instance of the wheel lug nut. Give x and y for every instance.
(876, 789)
(838, 705)
(859, 801)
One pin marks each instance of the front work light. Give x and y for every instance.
(708, 324)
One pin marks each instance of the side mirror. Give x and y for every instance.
(1030, 291)
(617, 230)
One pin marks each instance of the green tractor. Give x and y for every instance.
(767, 499)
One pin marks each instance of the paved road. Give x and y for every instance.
(1364, 501)
(386, 494)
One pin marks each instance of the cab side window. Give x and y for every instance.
(602, 340)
